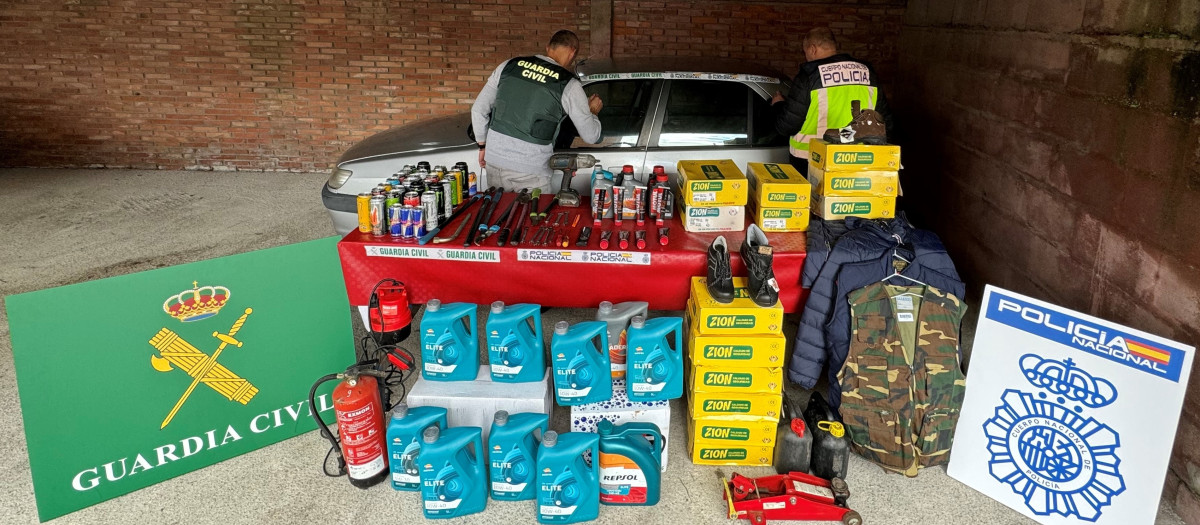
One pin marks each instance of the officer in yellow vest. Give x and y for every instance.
(822, 93)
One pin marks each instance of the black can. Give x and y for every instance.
(440, 192)
(793, 438)
(423, 165)
(831, 448)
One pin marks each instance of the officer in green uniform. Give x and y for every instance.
(517, 114)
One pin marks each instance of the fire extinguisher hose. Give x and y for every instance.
(312, 399)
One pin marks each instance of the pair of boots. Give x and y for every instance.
(757, 256)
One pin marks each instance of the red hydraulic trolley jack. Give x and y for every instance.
(792, 496)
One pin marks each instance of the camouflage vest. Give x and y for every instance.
(902, 382)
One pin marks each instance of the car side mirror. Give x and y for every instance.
(571, 161)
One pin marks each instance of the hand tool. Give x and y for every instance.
(504, 217)
(433, 233)
(523, 204)
(584, 235)
(519, 236)
(560, 219)
(604, 236)
(640, 235)
(623, 239)
(576, 221)
(440, 240)
(542, 214)
(489, 198)
(792, 496)
(568, 163)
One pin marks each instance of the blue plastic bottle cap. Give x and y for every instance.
(431, 434)
(638, 321)
(400, 411)
(501, 417)
(604, 427)
(606, 307)
(549, 439)
(561, 327)
(497, 307)
(433, 305)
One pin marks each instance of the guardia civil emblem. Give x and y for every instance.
(1046, 446)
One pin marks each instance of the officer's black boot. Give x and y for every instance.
(757, 256)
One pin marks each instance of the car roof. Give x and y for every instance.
(688, 65)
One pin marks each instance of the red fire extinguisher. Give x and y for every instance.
(388, 311)
(359, 410)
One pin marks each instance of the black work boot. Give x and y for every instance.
(720, 276)
(757, 256)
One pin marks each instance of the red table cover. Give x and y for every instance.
(482, 274)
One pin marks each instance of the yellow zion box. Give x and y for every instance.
(854, 183)
(724, 453)
(704, 404)
(853, 157)
(736, 351)
(777, 185)
(711, 183)
(744, 380)
(750, 430)
(833, 208)
(738, 317)
(780, 219)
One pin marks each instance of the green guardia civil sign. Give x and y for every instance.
(174, 369)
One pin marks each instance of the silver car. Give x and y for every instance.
(656, 112)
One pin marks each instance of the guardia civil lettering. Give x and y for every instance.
(127, 467)
(536, 71)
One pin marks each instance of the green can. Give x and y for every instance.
(455, 187)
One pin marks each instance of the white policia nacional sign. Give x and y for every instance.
(1068, 418)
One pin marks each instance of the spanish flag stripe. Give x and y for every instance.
(1149, 352)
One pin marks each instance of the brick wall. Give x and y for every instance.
(1054, 146)
(289, 85)
(255, 84)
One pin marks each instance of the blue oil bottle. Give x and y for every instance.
(404, 436)
(453, 474)
(630, 463)
(655, 358)
(581, 367)
(514, 336)
(568, 487)
(512, 454)
(449, 344)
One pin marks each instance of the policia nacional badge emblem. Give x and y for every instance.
(1052, 454)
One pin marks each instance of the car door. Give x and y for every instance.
(625, 122)
(704, 119)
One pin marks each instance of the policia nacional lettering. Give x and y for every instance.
(529, 100)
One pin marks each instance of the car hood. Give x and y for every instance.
(423, 135)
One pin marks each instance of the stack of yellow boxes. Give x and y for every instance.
(734, 377)
(854, 179)
(779, 197)
(712, 195)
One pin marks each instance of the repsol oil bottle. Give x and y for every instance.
(404, 437)
(512, 454)
(449, 345)
(568, 487)
(630, 463)
(655, 358)
(453, 475)
(514, 336)
(617, 318)
(581, 366)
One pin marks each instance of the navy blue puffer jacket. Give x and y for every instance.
(866, 240)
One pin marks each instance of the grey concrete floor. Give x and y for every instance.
(114, 222)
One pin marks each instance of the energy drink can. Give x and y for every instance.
(423, 165)
(364, 212)
(448, 204)
(416, 215)
(472, 184)
(412, 198)
(429, 205)
(391, 198)
(455, 189)
(396, 219)
(378, 214)
(436, 188)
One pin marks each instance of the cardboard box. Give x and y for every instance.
(736, 380)
(738, 430)
(780, 219)
(834, 208)
(710, 183)
(736, 351)
(620, 409)
(777, 186)
(853, 157)
(713, 218)
(854, 183)
(475, 403)
(742, 316)
(723, 453)
(707, 404)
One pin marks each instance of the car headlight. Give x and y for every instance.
(338, 177)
